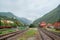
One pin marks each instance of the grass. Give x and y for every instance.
(29, 33)
(6, 31)
(53, 30)
(22, 28)
(10, 30)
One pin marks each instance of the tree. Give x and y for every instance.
(0, 22)
(58, 20)
(32, 26)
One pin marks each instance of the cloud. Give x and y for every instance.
(30, 9)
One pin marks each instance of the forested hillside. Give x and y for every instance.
(50, 17)
(10, 16)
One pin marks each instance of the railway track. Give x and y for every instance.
(5, 37)
(46, 35)
(55, 33)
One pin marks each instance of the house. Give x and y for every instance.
(57, 25)
(43, 24)
(49, 25)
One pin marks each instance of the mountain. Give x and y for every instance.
(50, 17)
(7, 14)
(12, 16)
(24, 20)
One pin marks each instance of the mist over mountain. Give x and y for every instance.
(24, 20)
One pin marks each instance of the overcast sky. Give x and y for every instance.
(30, 9)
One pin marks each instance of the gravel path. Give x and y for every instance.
(16, 36)
(35, 37)
(31, 38)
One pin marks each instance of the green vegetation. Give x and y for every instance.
(58, 20)
(24, 21)
(29, 33)
(50, 17)
(10, 23)
(10, 16)
(6, 31)
(54, 30)
(32, 26)
(22, 28)
(0, 22)
(7, 19)
(10, 30)
(7, 14)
